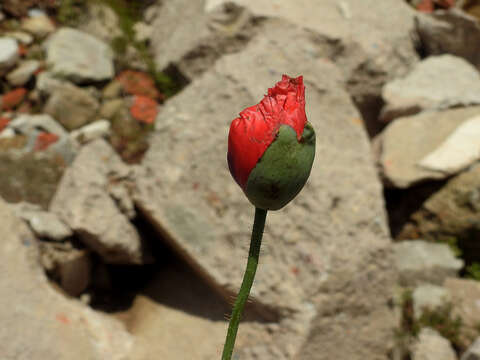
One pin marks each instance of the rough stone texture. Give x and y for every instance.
(93, 131)
(335, 273)
(438, 82)
(371, 46)
(432, 346)
(460, 150)
(39, 26)
(450, 31)
(23, 72)
(431, 297)
(450, 212)
(101, 22)
(423, 262)
(473, 352)
(466, 305)
(82, 201)
(8, 53)
(78, 56)
(38, 322)
(406, 141)
(72, 106)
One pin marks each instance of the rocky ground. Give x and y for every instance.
(125, 236)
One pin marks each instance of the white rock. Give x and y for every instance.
(458, 151)
(39, 26)
(48, 225)
(428, 296)
(23, 72)
(438, 82)
(20, 36)
(473, 352)
(95, 130)
(7, 133)
(78, 56)
(432, 346)
(143, 31)
(424, 262)
(8, 52)
(26, 123)
(47, 83)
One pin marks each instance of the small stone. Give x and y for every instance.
(47, 83)
(111, 107)
(44, 140)
(72, 106)
(13, 98)
(39, 26)
(22, 37)
(112, 90)
(8, 53)
(424, 262)
(473, 352)
(79, 57)
(432, 346)
(75, 272)
(23, 72)
(144, 109)
(431, 297)
(95, 130)
(138, 83)
(143, 31)
(27, 123)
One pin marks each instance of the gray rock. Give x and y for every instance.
(335, 274)
(406, 141)
(51, 326)
(421, 262)
(93, 131)
(39, 26)
(8, 53)
(438, 82)
(431, 297)
(453, 32)
(82, 201)
(23, 72)
(47, 83)
(432, 346)
(78, 56)
(72, 106)
(473, 352)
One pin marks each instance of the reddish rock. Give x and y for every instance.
(138, 83)
(44, 140)
(426, 6)
(13, 98)
(144, 109)
(3, 122)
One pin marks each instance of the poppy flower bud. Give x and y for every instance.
(271, 146)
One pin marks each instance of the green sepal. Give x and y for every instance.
(283, 169)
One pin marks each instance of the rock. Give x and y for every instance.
(406, 141)
(93, 131)
(51, 326)
(466, 305)
(452, 32)
(47, 83)
(334, 276)
(138, 83)
(431, 297)
(436, 83)
(473, 352)
(111, 107)
(144, 109)
(123, 199)
(8, 53)
(143, 31)
(450, 212)
(72, 106)
(112, 90)
(458, 151)
(13, 98)
(44, 224)
(78, 56)
(22, 37)
(421, 262)
(39, 26)
(23, 72)
(101, 22)
(24, 124)
(432, 346)
(82, 201)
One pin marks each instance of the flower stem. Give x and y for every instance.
(253, 254)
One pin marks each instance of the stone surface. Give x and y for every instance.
(72, 106)
(8, 53)
(431, 297)
(438, 82)
(453, 32)
(432, 346)
(93, 131)
(101, 22)
(406, 141)
(473, 352)
(82, 201)
(335, 274)
(20, 36)
(39, 26)
(450, 212)
(51, 326)
(458, 151)
(421, 262)
(78, 56)
(23, 72)
(47, 83)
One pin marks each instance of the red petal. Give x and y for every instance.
(253, 132)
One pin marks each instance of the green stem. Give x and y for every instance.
(254, 252)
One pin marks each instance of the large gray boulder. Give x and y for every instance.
(38, 322)
(325, 268)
